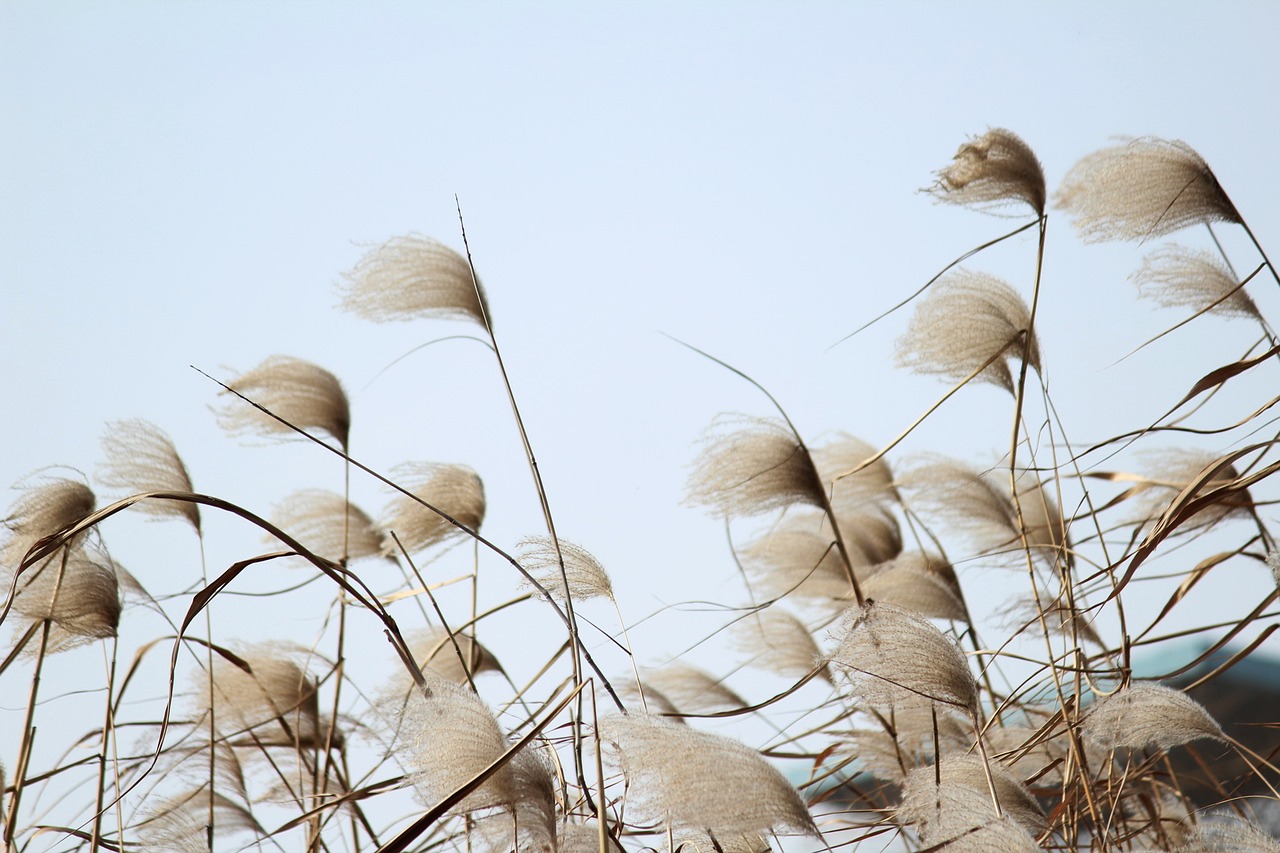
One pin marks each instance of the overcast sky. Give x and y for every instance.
(183, 184)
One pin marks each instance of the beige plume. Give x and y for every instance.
(1147, 714)
(681, 775)
(273, 703)
(692, 690)
(780, 643)
(969, 319)
(870, 485)
(1176, 276)
(47, 505)
(890, 654)
(302, 393)
(585, 576)
(454, 489)
(1227, 833)
(991, 172)
(315, 517)
(76, 589)
(954, 796)
(749, 466)
(435, 652)
(142, 458)
(907, 736)
(1143, 188)
(797, 557)
(923, 584)
(410, 277)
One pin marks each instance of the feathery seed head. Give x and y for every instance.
(274, 702)
(453, 489)
(315, 517)
(1146, 714)
(47, 505)
(749, 466)
(77, 590)
(585, 576)
(797, 557)
(1227, 833)
(1176, 276)
(436, 653)
(142, 458)
(701, 781)
(919, 583)
(304, 394)
(967, 320)
(444, 736)
(990, 172)
(963, 800)
(873, 484)
(410, 277)
(1144, 188)
(780, 643)
(890, 654)
(692, 690)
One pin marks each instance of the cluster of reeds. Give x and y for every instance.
(904, 719)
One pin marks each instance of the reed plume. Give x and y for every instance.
(267, 698)
(46, 506)
(453, 489)
(411, 277)
(329, 525)
(921, 583)
(748, 466)
(141, 457)
(1227, 833)
(991, 172)
(304, 394)
(969, 319)
(1147, 714)
(584, 575)
(1144, 188)
(954, 796)
(693, 690)
(680, 775)
(1176, 276)
(890, 654)
(445, 657)
(779, 642)
(78, 590)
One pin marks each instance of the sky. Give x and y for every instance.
(183, 184)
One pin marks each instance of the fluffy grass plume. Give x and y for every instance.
(411, 277)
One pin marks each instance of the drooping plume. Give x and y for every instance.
(46, 506)
(142, 458)
(967, 320)
(693, 690)
(273, 702)
(454, 489)
(410, 277)
(963, 799)
(436, 653)
(585, 576)
(304, 394)
(1146, 714)
(1144, 188)
(780, 643)
(315, 518)
(991, 172)
(921, 583)
(890, 654)
(1176, 276)
(703, 782)
(870, 485)
(749, 466)
(78, 590)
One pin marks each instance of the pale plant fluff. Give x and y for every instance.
(301, 393)
(328, 525)
(78, 590)
(46, 506)
(272, 702)
(702, 782)
(583, 574)
(1170, 471)
(1140, 189)
(1227, 833)
(991, 172)
(963, 799)
(444, 657)
(1147, 714)
(444, 735)
(796, 558)
(410, 277)
(453, 489)
(890, 654)
(967, 320)
(1176, 276)
(141, 457)
(851, 492)
(749, 466)
(979, 504)
(692, 690)
(779, 642)
(907, 736)
(912, 583)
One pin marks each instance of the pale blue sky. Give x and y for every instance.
(183, 183)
